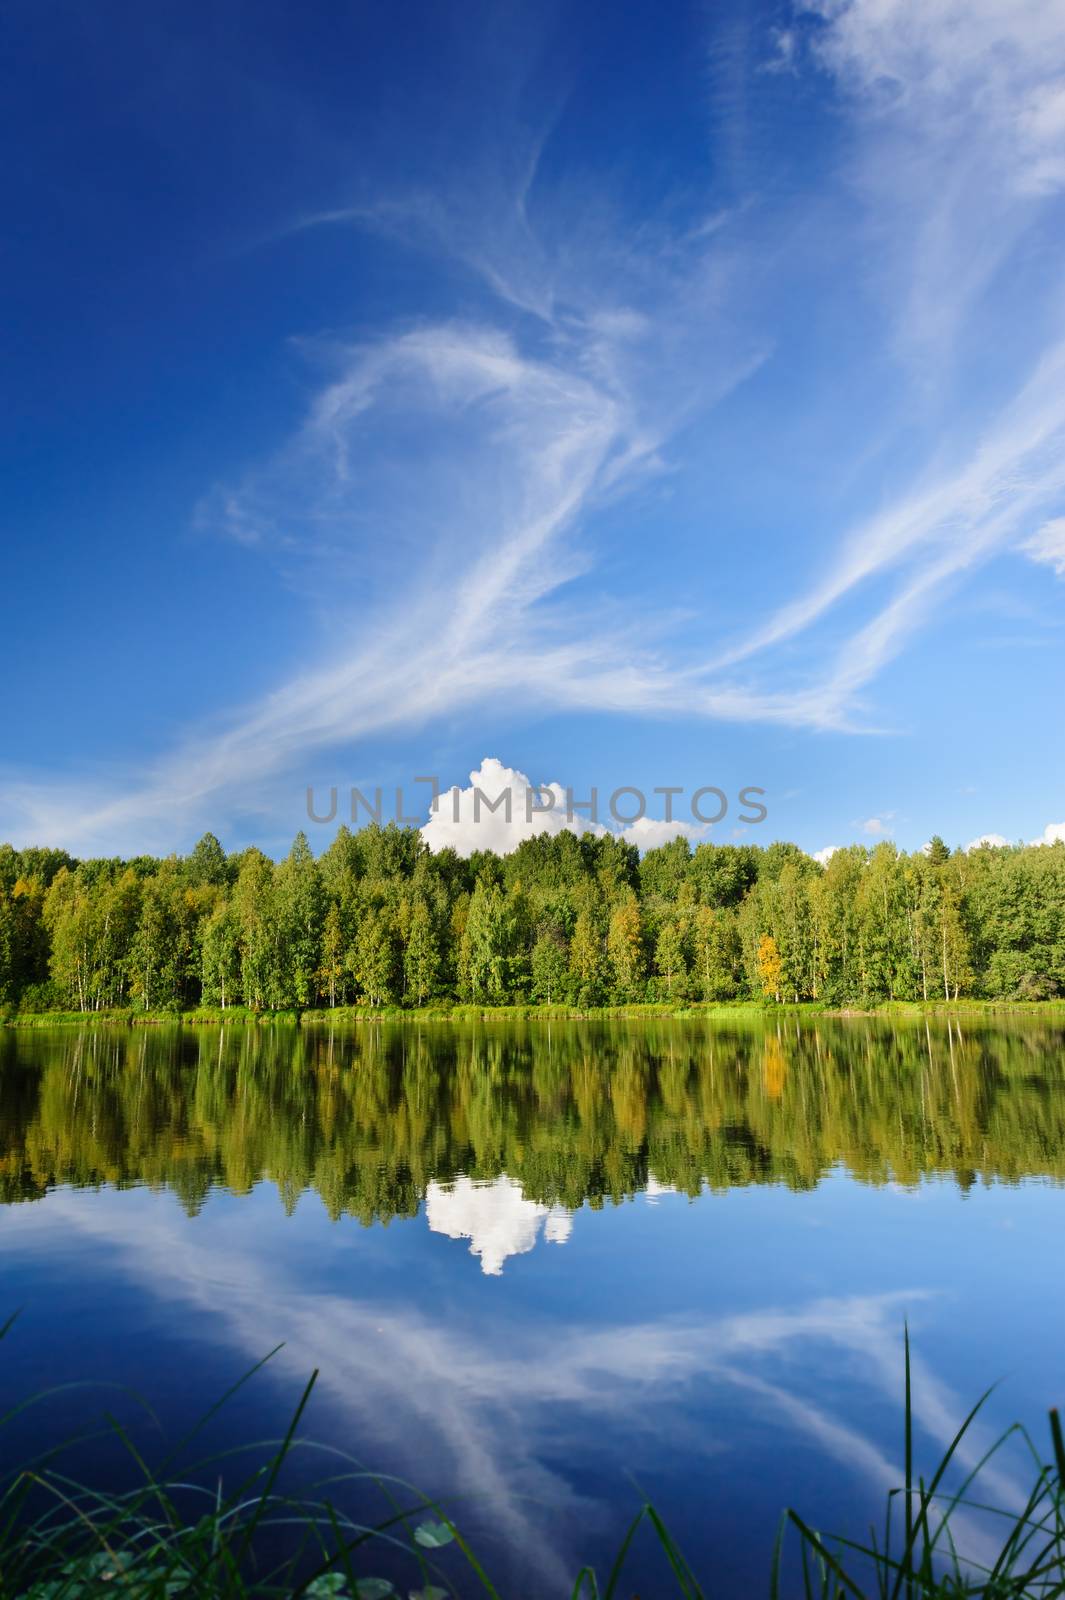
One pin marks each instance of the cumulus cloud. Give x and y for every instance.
(825, 856)
(994, 841)
(1053, 833)
(501, 807)
(647, 833)
(877, 826)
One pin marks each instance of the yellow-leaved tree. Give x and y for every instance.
(769, 966)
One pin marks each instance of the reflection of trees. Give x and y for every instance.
(574, 1112)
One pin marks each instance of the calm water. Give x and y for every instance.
(539, 1265)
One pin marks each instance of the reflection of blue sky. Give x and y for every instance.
(692, 1343)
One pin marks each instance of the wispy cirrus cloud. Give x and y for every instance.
(957, 149)
(946, 64)
(1048, 545)
(933, 535)
(452, 472)
(433, 498)
(958, 136)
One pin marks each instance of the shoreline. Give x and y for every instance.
(461, 1011)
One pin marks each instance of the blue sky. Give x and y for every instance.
(633, 394)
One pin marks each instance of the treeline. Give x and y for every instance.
(379, 920)
(367, 1118)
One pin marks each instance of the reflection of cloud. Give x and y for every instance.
(484, 1402)
(495, 1217)
(653, 1189)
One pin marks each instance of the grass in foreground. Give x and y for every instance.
(174, 1538)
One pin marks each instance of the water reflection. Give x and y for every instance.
(375, 1117)
(732, 1355)
(495, 1217)
(487, 1411)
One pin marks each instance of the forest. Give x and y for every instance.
(378, 920)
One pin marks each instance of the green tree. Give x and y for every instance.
(714, 941)
(156, 949)
(624, 942)
(550, 967)
(937, 852)
(671, 959)
(421, 959)
(253, 906)
(953, 946)
(334, 949)
(487, 943)
(207, 865)
(298, 914)
(586, 958)
(221, 957)
(375, 958)
(8, 986)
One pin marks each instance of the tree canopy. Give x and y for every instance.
(378, 919)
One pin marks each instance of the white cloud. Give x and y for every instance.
(785, 45)
(647, 833)
(1048, 545)
(1053, 833)
(546, 445)
(465, 822)
(825, 856)
(501, 807)
(946, 63)
(960, 110)
(994, 840)
(877, 826)
(958, 132)
(957, 108)
(516, 443)
(941, 528)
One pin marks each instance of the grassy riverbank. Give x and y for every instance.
(444, 1011)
